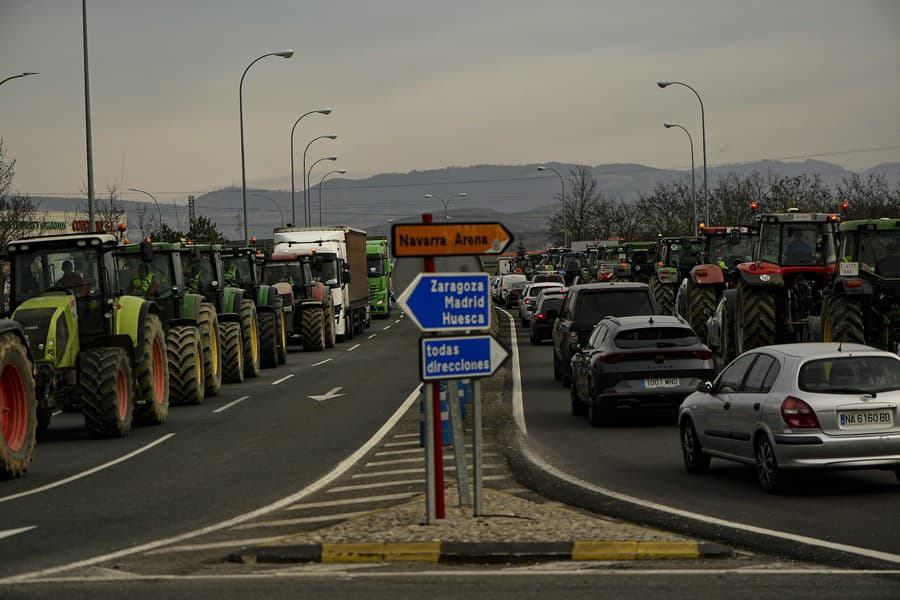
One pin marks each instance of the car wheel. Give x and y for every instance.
(578, 409)
(599, 415)
(695, 461)
(769, 475)
(566, 378)
(557, 370)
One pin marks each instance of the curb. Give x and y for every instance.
(480, 552)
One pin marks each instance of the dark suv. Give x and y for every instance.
(584, 307)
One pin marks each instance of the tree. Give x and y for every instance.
(585, 210)
(18, 214)
(204, 231)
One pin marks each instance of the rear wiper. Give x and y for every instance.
(846, 390)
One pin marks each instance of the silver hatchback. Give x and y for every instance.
(797, 406)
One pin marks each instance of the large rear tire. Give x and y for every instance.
(152, 377)
(212, 349)
(843, 321)
(757, 314)
(232, 352)
(313, 328)
(105, 384)
(185, 358)
(701, 303)
(280, 331)
(250, 338)
(663, 295)
(268, 343)
(18, 407)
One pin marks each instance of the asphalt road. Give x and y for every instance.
(255, 443)
(642, 457)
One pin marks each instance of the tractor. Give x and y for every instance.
(96, 350)
(724, 248)
(862, 303)
(676, 256)
(635, 262)
(309, 310)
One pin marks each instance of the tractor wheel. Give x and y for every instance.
(280, 332)
(843, 321)
(232, 352)
(663, 295)
(268, 342)
(313, 329)
(701, 303)
(757, 314)
(152, 376)
(185, 357)
(105, 385)
(212, 349)
(250, 338)
(18, 407)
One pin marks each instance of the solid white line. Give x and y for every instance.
(371, 486)
(335, 473)
(322, 362)
(352, 348)
(517, 406)
(371, 336)
(301, 520)
(283, 379)
(398, 444)
(366, 500)
(84, 474)
(386, 327)
(12, 532)
(230, 404)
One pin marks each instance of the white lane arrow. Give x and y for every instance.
(12, 532)
(332, 393)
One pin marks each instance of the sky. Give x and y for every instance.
(426, 84)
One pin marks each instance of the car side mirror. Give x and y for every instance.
(346, 273)
(705, 386)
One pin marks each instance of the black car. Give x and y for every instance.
(545, 312)
(584, 307)
(638, 362)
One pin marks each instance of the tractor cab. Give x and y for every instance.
(240, 268)
(728, 247)
(292, 268)
(153, 271)
(204, 272)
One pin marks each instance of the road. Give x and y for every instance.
(255, 443)
(641, 457)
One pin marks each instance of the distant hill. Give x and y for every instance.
(518, 195)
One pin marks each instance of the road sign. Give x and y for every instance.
(460, 357)
(447, 302)
(444, 239)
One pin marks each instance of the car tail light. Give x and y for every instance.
(703, 354)
(540, 317)
(610, 358)
(797, 414)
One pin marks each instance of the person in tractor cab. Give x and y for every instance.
(233, 277)
(143, 284)
(890, 263)
(71, 280)
(191, 277)
(798, 250)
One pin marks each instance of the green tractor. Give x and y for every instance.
(634, 262)
(154, 272)
(96, 350)
(18, 404)
(862, 303)
(676, 256)
(262, 305)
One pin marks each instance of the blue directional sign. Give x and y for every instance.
(460, 357)
(446, 302)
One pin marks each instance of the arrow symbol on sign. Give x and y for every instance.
(332, 393)
(12, 532)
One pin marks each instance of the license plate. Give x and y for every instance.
(660, 382)
(866, 418)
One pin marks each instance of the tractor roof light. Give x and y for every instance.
(754, 206)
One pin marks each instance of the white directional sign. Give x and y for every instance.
(460, 357)
(332, 393)
(447, 302)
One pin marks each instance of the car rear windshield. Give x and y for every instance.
(850, 374)
(593, 306)
(656, 337)
(551, 304)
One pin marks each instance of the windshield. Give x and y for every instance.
(721, 250)
(324, 268)
(287, 271)
(198, 274)
(876, 250)
(375, 265)
(145, 279)
(682, 253)
(851, 374)
(238, 271)
(656, 337)
(71, 270)
(592, 307)
(797, 244)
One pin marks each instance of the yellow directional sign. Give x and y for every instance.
(443, 239)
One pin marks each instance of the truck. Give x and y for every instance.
(340, 264)
(381, 290)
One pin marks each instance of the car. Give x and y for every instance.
(549, 278)
(545, 312)
(648, 361)
(797, 406)
(514, 293)
(529, 298)
(505, 282)
(584, 307)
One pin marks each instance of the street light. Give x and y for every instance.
(25, 74)
(282, 54)
(309, 178)
(693, 187)
(563, 200)
(323, 111)
(342, 172)
(159, 210)
(445, 203)
(665, 84)
(307, 213)
(273, 202)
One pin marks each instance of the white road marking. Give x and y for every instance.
(397, 444)
(12, 532)
(386, 327)
(366, 500)
(56, 412)
(322, 362)
(394, 452)
(406, 461)
(230, 404)
(518, 409)
(283, 379)
(215, 545)
(91, 471)
(352, 348)
(330, 394)
(412, 471)
(371, 486)
(371, 336)
(397, 321)
(405, 435)
(302, 520)
(314, 487)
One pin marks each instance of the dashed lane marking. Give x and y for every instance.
(230, 404)
(12, 532)
(371, 336)
(346, 501)
(401, 436)
(302, 520)
(351, 349)
(283, 379)
(322, 362)
(386, 327)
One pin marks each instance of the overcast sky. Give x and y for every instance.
(422, 84)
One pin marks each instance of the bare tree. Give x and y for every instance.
(18, 214)
(585, 211)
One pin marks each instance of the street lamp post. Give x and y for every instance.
(664, 84)
(282, 54)
(158, 209)
(323, 111)
(309, 178)
(25, 74)
(563, 200)
(447, 201)
(342, 172)
(273, 202)
(693, 187)
(89, 145)
(307, 213)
